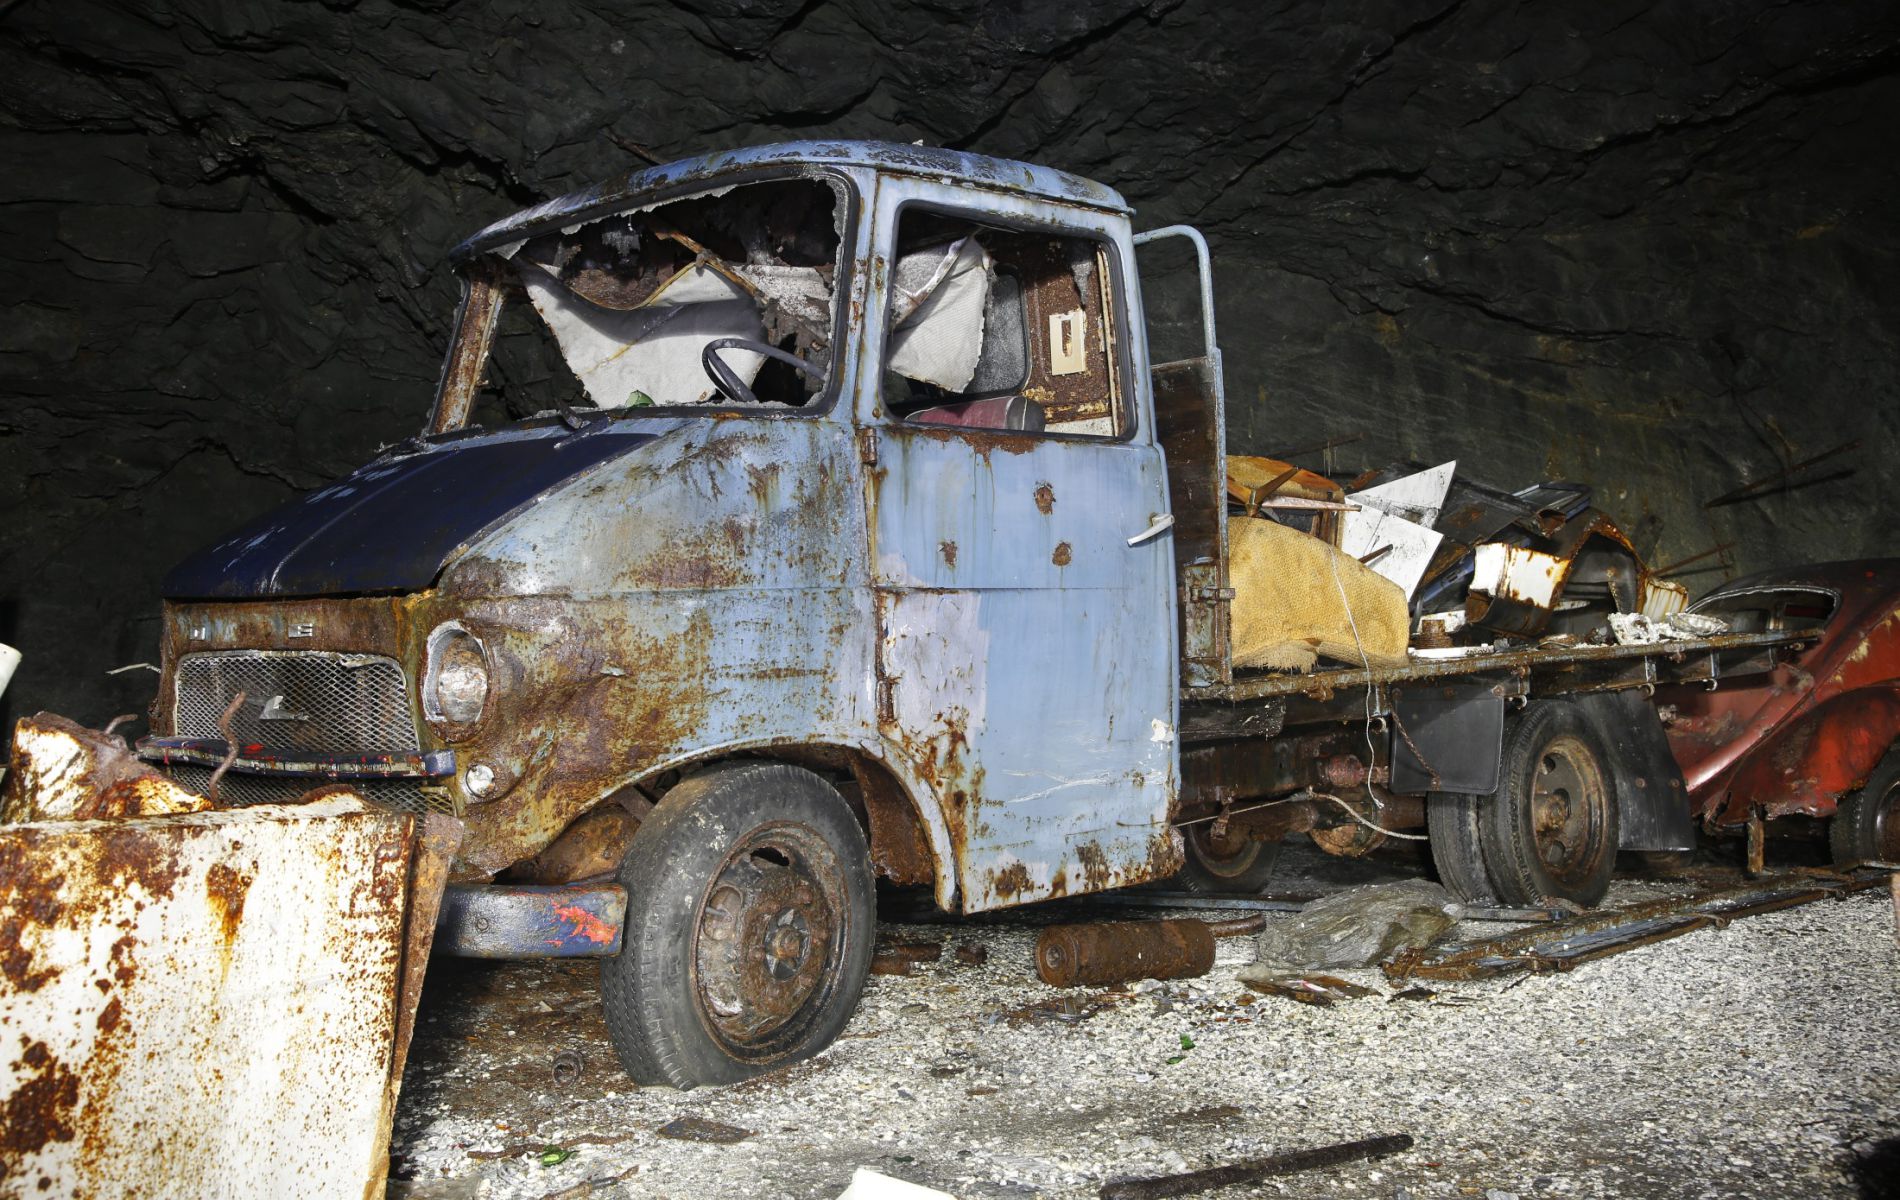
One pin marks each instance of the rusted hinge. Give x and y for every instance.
(867, 447)
(886, 700)
(1206, 592)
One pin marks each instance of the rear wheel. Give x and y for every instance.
(1451, 825)
(1550, 833)
(1232, 862)
(1866, 826)
(751, 915)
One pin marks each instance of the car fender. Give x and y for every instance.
(1810, 764)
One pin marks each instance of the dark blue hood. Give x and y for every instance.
(393, 525)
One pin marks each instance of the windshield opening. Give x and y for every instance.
(617, 313)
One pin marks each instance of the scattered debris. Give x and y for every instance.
(567, 1067)
(1411, 993)
(1319, 990)
(1359, 927)
(1117, 951)
(587, 1187)
(1071, 1009)
(1566, 944)
(973, 954)
(907, 954)
(1255, 1169)
(867, 1184)
(699, 1129)
(1635, 629)
(883, 963)
(517, 1149)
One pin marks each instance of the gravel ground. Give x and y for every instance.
(1757, 1060)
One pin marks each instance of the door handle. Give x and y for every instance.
(1162, 524)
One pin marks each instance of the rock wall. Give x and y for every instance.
(1647, 245)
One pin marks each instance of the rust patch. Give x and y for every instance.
(899, 851)
(225, 890)
(32, 903)
(40, 1110)
(1095, 873)
(111, 1015)
(1062, 555)
(1045, 498)
(949, 552)
(1010, 882)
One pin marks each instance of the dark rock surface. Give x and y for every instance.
(1651, 246)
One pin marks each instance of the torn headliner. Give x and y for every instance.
(710, 169)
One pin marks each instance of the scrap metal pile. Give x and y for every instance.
(1401, 564)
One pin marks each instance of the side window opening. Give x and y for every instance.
(617, 312)
(1002, 329)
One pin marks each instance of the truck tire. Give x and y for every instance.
(1451, 827)
(751, 915)
(1866, 825)
(1550, 832)
(1235, 864)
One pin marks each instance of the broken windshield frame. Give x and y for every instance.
(581, 280)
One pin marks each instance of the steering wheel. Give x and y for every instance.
(728, 381)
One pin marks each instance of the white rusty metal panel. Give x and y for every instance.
(202, 1004)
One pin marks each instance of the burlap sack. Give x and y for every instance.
(1287, 607)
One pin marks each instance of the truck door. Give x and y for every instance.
(1020, 557)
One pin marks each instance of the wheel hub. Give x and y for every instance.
(1568, 801)
(765, 935)
(1887, 827)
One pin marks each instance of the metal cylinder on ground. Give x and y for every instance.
(1117, 951)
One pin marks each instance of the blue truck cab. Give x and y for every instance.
(785, 519)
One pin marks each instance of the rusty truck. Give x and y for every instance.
(799, 517)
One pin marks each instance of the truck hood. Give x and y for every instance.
(393, 525)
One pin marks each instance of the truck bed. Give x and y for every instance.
(1581, 667)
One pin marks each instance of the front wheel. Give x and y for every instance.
(751, 915)
(1866, 826)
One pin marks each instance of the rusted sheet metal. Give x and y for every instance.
(786, 158)
(496, 920)
(1563, 945)
(1809, 764)
(1796, 738)
(59, 770)
(730, 614)
(1515, 588)
(243, 971)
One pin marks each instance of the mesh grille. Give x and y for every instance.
(327, 702)
(238, 788)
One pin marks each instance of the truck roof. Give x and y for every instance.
(957, 165)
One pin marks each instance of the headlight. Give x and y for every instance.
(455, 683)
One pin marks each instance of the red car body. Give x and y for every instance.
(1798, 739)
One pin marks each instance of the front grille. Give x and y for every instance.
(239, 788)
(322, 702)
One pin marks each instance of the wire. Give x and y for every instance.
(1354, 814)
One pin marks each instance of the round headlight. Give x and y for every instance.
(456, 689)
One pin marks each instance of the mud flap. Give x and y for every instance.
(1652, 803)
(212, 1003)
(1447, 739)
